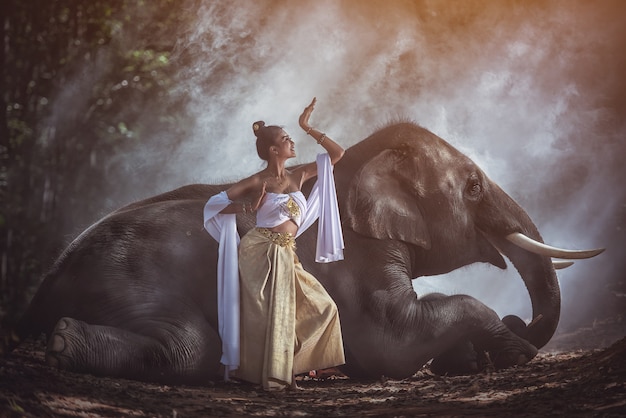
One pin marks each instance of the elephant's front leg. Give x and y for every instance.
(467, 329)
(188, 355)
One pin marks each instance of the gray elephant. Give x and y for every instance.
(135, 294)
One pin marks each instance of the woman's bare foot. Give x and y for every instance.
(294, 386)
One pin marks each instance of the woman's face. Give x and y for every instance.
(284, 145)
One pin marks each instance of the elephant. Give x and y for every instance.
(134, 295)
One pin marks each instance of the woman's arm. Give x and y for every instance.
(335, 151)
(241, 193)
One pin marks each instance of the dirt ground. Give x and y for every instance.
(582, 373)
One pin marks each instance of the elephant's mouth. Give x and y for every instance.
(536, 263)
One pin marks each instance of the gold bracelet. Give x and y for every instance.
(308, 131)
(322, 138)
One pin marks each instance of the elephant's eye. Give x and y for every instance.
(473, 189)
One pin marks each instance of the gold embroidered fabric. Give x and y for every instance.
(291, 208)
(284, 239)
(289, 323)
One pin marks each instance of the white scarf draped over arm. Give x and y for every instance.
(223, 228)
(322, 203)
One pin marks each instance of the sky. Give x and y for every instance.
(533, 91)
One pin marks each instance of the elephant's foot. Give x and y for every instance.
(462, 359)
(500, 348)
(512, 351)
(64, 344)
(80, 347)
(513, 356)
(110, 351)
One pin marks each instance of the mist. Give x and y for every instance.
(534, 92)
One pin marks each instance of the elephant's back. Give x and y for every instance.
(200, 192)
(155, 254)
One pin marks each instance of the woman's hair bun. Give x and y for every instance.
(265, 137)
(256, 127)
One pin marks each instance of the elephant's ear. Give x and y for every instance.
(382, 202)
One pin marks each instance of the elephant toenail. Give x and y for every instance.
(57, 344)
(62, 324)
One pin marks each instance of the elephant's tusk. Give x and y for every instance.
(537, 247)
(561, 264)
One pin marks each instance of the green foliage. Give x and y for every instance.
(77, 78)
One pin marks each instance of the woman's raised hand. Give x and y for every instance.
(306, 114)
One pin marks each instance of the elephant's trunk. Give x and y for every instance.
(543, 287)
(501, 216)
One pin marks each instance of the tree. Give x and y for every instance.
(76, 78)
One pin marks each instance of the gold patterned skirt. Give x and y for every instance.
(289, 323)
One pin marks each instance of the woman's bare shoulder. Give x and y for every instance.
(245, 186)
(254, 180)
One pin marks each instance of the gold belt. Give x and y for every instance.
(284, 239)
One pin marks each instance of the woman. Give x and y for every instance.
(289, 323)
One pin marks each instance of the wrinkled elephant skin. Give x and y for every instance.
(135, 294)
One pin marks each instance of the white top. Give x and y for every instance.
(322, 204)
(278, 208)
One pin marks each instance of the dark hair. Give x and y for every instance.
(265, 136)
